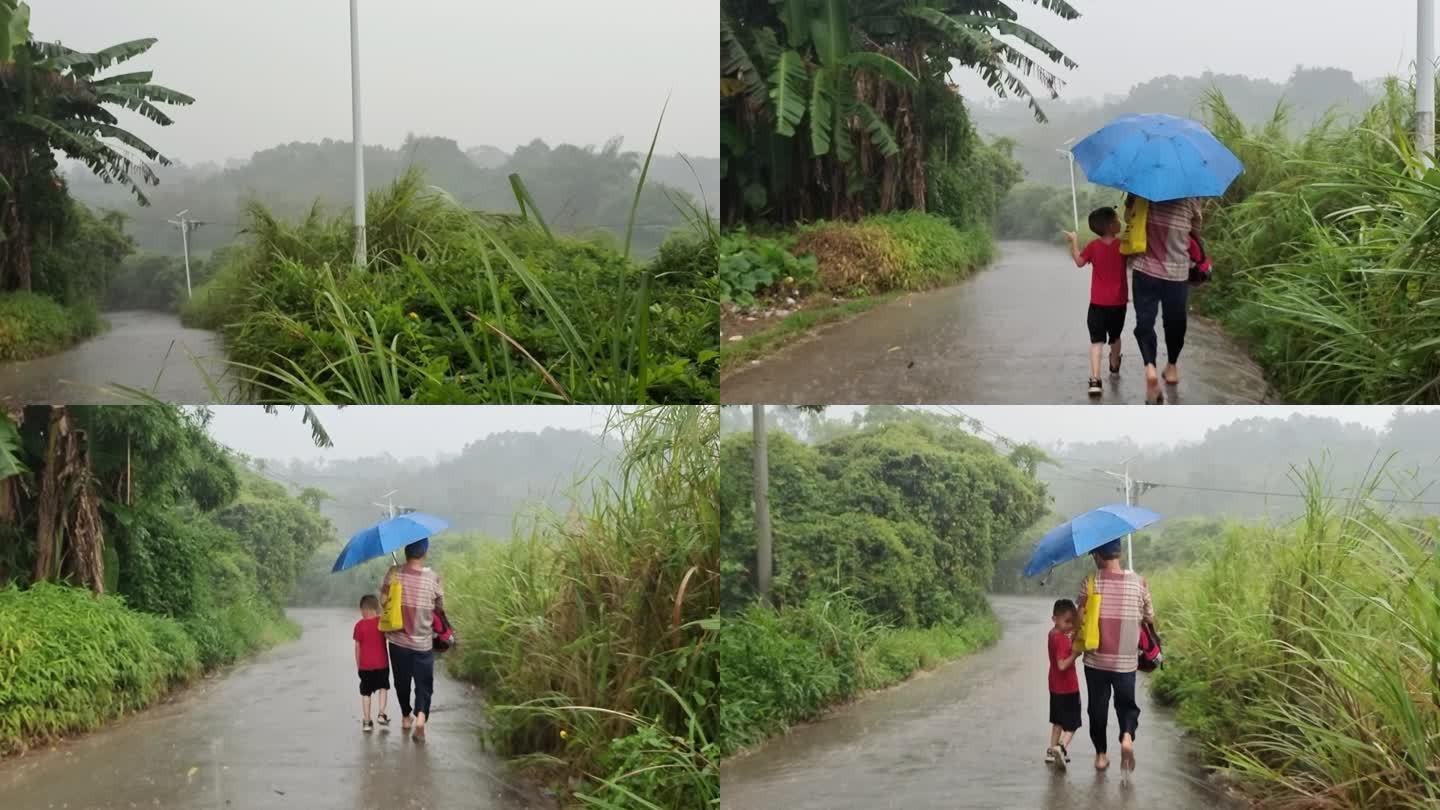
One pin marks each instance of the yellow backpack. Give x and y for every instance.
(1090, 626)
(390, 617)
(1132, 241)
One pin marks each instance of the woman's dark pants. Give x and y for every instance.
(1099, 684)
(1152, 294)
(406, 664)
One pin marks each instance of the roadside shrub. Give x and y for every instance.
(1304, 656)
(32, 325)
(73, 660)
(593, 635)
(754, 264)
(900, 251)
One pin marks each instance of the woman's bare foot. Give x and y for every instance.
(1172, 374)
(1153, 394)
(1102, 761)
(1127, 754)
(406, 722)
(419, 734)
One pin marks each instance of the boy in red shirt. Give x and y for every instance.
(1064, 684)
(371, 660)
(1109, 292)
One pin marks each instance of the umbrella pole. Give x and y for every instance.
(1074, 197)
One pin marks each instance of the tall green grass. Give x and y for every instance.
(592, 634)
(1307, 657)
(1327, 254)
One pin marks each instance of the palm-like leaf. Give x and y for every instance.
(884, 66)
(736, 60)
(822, 110)
(787, 91)
(877, 130)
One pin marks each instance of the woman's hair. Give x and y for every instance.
(369, 601)
(1101, 218)
(1063, 607)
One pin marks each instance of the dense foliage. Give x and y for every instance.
(909, 517)
(1041, 213)
(593, 635)
(1304, 655)
(580, 189)
(456, 307)
(839, 109)
(53, 99)
(1328, 249)
(885, 539)
(140, 506)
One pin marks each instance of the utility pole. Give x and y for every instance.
(186, 225)
(1132, 489)
(764, 542)
(359, 141)
(1425, 82)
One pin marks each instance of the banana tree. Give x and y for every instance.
(52, 98)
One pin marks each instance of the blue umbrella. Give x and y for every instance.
(387, 536)
(1085, 533)
(1158, 157)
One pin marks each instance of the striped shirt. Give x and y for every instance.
(420, 594)
(1167, 239)
(1124, 603)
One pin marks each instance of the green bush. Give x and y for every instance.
(781, 667)
(32, 325)
(73, 660)
(899, 251)
(753, 264)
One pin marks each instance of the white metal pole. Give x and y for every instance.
(1425, 82)
(185, 240)
(1074, 198)
(1129, 538)
(359, 141)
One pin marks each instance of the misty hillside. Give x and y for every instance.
(578, 189)
(1255, 455)
(1309, 94)
(482, 488)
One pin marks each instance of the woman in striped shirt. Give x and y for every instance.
(1124, 604)
(1160, 281)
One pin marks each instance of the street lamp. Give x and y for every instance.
(359, 144)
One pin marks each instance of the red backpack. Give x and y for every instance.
(444, 633)
(1151, 657)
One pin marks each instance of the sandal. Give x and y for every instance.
(367, 726)
(1094, 387)
(383, 718)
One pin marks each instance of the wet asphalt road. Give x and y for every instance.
(150, 351)
(1013, 334)
(282, 731)
(969, 735)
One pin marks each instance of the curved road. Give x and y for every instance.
(282, 731)
(971, 734)
(1012, 334)
(150, 351)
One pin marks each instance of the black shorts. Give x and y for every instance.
(1065, 710)
(373, 679)
(1106, 323)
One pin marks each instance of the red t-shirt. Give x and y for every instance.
(1062, 681)
(372, 644)
(1107, 273)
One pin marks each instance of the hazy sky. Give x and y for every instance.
(266, 72)
(1121, 43)
(402, 431)
(1047, 424)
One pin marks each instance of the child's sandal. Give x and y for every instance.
(383, 718)
(1094, 388)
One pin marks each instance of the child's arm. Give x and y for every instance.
(1074, 241)
(357, 655)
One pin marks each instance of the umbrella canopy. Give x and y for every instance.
(1082, 534)
(1158, 157)
(387, 536)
